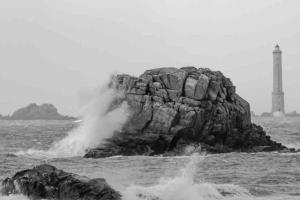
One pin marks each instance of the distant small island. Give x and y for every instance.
(37, 112)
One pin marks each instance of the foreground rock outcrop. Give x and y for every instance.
(48, 182)
(179, 110)
(37, 112)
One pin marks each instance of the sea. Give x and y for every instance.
(228, 176)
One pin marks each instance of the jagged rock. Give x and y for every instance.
(170, 78)
(177, 108)
(48, 182)
(213, 90)
(196, 89)
(38, 112)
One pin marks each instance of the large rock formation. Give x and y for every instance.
(38, 112)
(173, 109)
(47, 182)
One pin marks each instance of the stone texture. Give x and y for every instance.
(196, 89)
(48, 182)
(170, 78)
(175, 108)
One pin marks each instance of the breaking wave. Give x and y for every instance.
(184, 187)
(14, 197)
(100, 121)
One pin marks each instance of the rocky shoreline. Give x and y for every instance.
(176, 111)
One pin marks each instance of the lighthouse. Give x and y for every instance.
(277, 95)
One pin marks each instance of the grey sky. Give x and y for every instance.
(55, 50)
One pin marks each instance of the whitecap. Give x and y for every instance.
(100, 121)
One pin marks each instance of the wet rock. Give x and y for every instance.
(262, 148)
(176, 108)
(48, 182)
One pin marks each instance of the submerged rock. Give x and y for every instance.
(174, 109)
(48, 182)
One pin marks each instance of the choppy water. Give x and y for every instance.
(200, 177)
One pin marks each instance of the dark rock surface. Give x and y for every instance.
(48, 182)
(38, 112)
(178, 109)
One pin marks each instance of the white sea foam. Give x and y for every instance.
(14, 197)
(295, 145)
(99, 122)
(183, 187)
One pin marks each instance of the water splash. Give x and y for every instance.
(183, 187)
(14, 197)
(100, 121)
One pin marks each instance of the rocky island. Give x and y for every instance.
(176, 111)
(37, 112)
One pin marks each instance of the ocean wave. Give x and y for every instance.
(183, 187)
(290, 154)
(295, 145)
(14, 197)
(100, 121)
(179, 190)
(207, 192)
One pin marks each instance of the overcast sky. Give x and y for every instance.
(53, 51)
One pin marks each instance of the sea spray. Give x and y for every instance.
(184, 187)
(14, 197)
(99, 123)
(100, 120)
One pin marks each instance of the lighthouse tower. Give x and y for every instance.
(277, 95)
